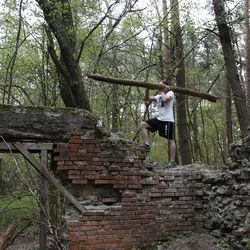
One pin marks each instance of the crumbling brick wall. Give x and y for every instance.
(129, 201)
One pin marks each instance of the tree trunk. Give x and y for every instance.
(115, 109)
(168, 62)
(1, 177)
(10, 67)
(58, 15)
(231, 67)
(193, 118)
(114, 101)
(229, 122)
(247, 53)
(196, 146)
(182, 126)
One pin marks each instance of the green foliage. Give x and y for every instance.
(133, 50)
(248, 244)
(18, 208)
(159, 149)
(17, 205)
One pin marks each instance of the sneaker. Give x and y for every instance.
(172, 164)
(146, 148)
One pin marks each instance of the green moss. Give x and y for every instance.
(114, 141)
(6, 107)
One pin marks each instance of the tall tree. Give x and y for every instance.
(10, 68)
(195, 147)
(177, 43)
(229, 122)
(247, 53)
(59, 17)
(231, 67)
(166, 41)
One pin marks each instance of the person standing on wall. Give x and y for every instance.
(163, 122)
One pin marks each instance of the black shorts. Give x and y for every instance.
(165, 128)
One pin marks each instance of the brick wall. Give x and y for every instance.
(129, 200)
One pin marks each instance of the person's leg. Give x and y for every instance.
(144, 132)
(171, 150)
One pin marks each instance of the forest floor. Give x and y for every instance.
(25, 243)
(195, 241)
(191, 242)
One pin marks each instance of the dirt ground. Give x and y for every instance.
(193, 242)
(25, 243)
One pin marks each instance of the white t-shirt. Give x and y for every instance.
(165, 109)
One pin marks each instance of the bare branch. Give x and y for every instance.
(93, 29)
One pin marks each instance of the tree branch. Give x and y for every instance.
(152, 86)
(92, 30)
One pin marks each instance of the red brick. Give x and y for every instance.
(60, 163)
(94, 163)
(120, 186)
(69, 163)
(79, 181)
(92, 213)
(149, 182)
(82, 163)
(83, 157)
(106, 163)
(89, 172)
(90, 141)
(186, 198)
(74, 167)
(154, 195)
(62, 167)
(118, 182)
(114, 168)
(74, 176)
(61, 158)
(138, 186)
(90, 177)
(75, 140)
(74, 172)
(103, 181)
(156, 190)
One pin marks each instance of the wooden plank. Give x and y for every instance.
(150, 85)
(51, 179)
(43, 203)
(6, 147)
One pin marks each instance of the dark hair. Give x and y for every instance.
(164, 82)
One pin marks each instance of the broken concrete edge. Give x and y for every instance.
(23, 125)
(39, 123)
(23, 109)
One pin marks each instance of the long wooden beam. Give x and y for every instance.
(50, 178)
(35, 147)
(150, 85)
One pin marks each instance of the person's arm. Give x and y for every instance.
(149, 98)
(164, 96)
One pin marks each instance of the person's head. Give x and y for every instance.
(164, 82)
(167, 87)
